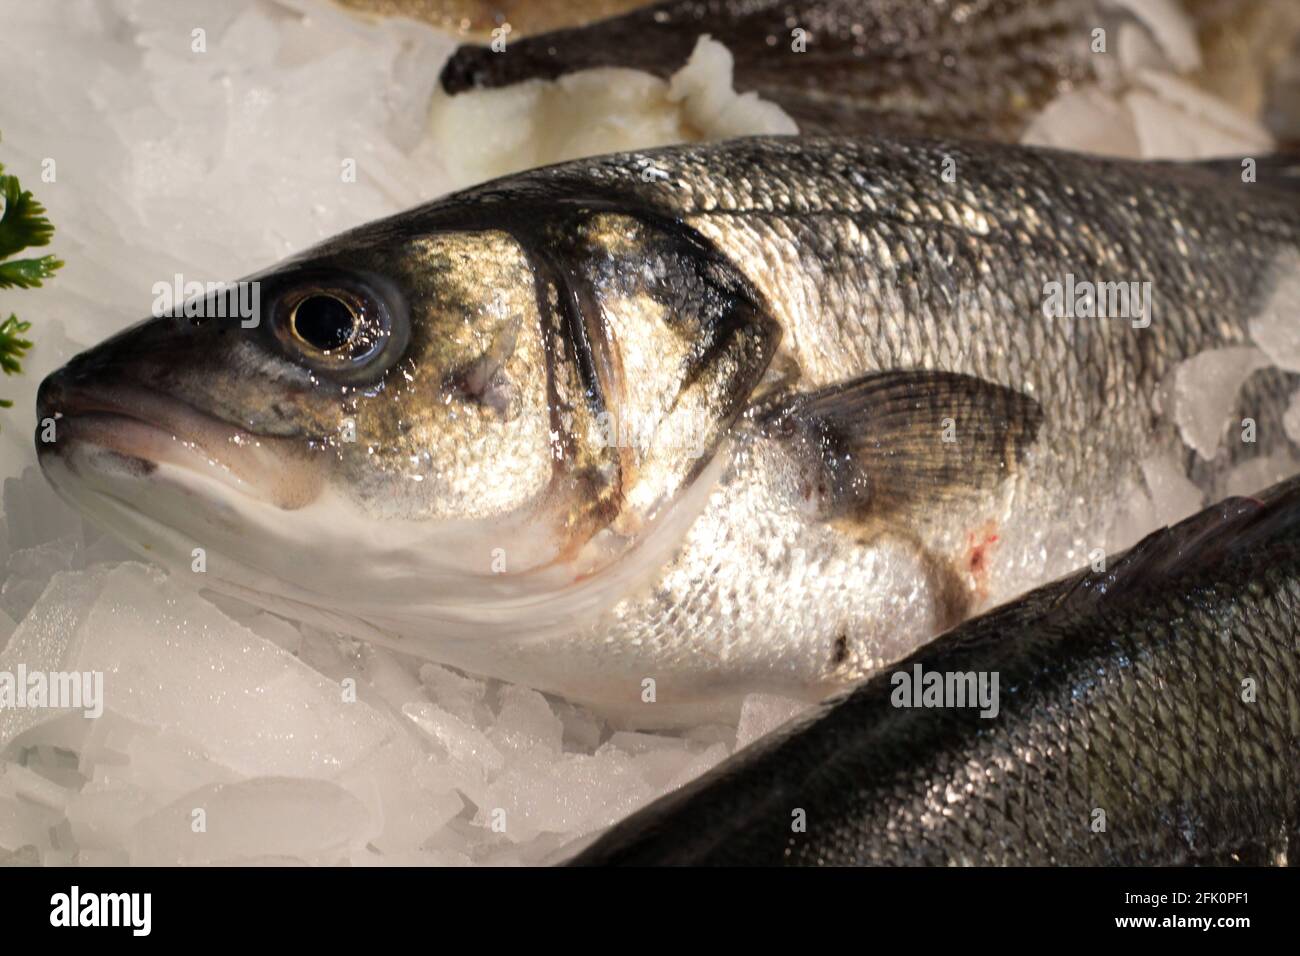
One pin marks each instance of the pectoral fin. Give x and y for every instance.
(905, 441)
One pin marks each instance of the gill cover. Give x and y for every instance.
(664, 343)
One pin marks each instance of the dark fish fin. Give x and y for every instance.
(636, 40)
(1233, 529)
(905, 440)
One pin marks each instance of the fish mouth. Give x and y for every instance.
(134, 432)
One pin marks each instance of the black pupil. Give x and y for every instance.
(324, 322)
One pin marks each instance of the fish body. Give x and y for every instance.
(837, 66)
(656, 430)
(1146, 715)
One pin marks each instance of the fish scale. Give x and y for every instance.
(1131, 705)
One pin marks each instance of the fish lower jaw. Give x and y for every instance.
(128, 447)
(131, 431)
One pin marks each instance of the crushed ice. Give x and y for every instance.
(231, 735)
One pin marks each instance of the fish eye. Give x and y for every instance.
(341, 324)
(324, 321)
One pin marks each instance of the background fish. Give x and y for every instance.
(658, 429)
(838, 66)
(1148, 715)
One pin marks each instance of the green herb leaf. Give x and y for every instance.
(23, 224)
(27, 273)
(12, 346)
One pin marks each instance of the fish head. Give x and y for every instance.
(405, 430)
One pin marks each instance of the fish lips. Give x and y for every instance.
(122, 431)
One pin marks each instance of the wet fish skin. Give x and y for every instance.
(946, 68)
(1121, 693)
(798, 320)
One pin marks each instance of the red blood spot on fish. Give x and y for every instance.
(980, 544)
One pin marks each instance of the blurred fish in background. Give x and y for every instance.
(1151, 79)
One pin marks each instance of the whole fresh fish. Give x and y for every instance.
(1146, 714)
(842, 66)
(655, 430)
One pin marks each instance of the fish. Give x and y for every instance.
(656, 430)
(838, 66)
(1148, 713)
